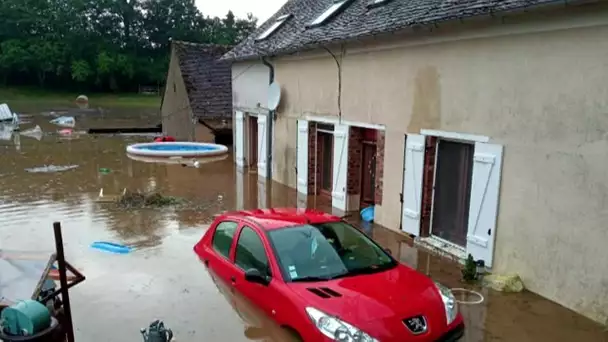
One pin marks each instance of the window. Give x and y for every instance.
(222, 237)
(377, 3)
(316, 252)
(329, 13)
(250, 252)
(280, 21)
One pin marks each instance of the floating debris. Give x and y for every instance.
(64, 121)
(140, 199)
(6, 132)
(65, 131)
(111, 247)
(35, 133)
(51, 168)
(104, 170)
(6, 115)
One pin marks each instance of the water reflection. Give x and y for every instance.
(162, 278)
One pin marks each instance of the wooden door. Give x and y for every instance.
(253, 142)
(453, 177)
(368, 174)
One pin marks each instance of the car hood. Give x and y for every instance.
(397, 293)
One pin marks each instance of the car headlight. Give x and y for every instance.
(449, 302)
(336, 329)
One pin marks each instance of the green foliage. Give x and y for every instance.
(469, 272)
(101, 45)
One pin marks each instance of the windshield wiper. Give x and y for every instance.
(311, 279)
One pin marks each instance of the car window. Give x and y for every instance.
(250, 252)
(326, 251)
(222, 237)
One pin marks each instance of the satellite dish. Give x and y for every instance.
(274, 96)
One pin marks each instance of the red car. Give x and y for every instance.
(322, 279)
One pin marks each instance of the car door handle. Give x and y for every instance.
(233, 279)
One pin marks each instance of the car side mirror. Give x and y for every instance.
(388, 251)
(254, 275)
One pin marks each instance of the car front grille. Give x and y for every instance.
(416, 325)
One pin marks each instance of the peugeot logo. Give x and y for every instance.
(417, 324)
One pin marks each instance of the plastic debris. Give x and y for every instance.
(504, 283)
(51, 168)
(111, 247)
(6, 132)
(157, 332)
(7, 116)
(35, 133)
(64, 121)
(82, 99)
(65, 131)
(104, 170)
(367, 214)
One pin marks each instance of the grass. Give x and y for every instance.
(38, 95)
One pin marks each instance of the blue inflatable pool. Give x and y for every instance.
(177, 150)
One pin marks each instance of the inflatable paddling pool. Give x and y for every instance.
(177, 150)
(177, 160)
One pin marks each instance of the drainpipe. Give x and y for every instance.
(270, 124)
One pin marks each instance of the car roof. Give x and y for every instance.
(269, 219)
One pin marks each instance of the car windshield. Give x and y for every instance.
(318, 252)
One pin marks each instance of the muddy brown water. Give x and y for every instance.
(162, 278)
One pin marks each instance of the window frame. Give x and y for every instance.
(261, 237)
(329, 13)
(272, 29)
(215, 229)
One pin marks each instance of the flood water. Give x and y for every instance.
(162, 278)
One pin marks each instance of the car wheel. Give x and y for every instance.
(293, 334)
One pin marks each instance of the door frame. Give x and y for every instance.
(473, 139)
(320, 134)
(436, 156)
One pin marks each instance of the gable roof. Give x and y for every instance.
(357, 20)
(208, 80)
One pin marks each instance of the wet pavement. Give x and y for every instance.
(162, 278)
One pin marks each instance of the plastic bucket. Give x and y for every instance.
(367, 214)
(27, 317)
(51, 334)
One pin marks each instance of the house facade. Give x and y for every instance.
(197, 100)
(478, 129)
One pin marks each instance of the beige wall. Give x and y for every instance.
(249, 85)
(539, 89)
(176, 113)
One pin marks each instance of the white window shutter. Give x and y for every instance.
(262, 154)
(340, 166)
(302, 157)
(412, 184)
(483, 210)
(239, 136)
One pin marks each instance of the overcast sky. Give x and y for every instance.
(262, 9)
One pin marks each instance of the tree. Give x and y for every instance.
(102, 45)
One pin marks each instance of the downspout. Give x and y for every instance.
(269, 123)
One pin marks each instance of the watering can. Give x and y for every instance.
(157, 332)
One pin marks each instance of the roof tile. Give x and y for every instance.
(208, 79)
(357, 20)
